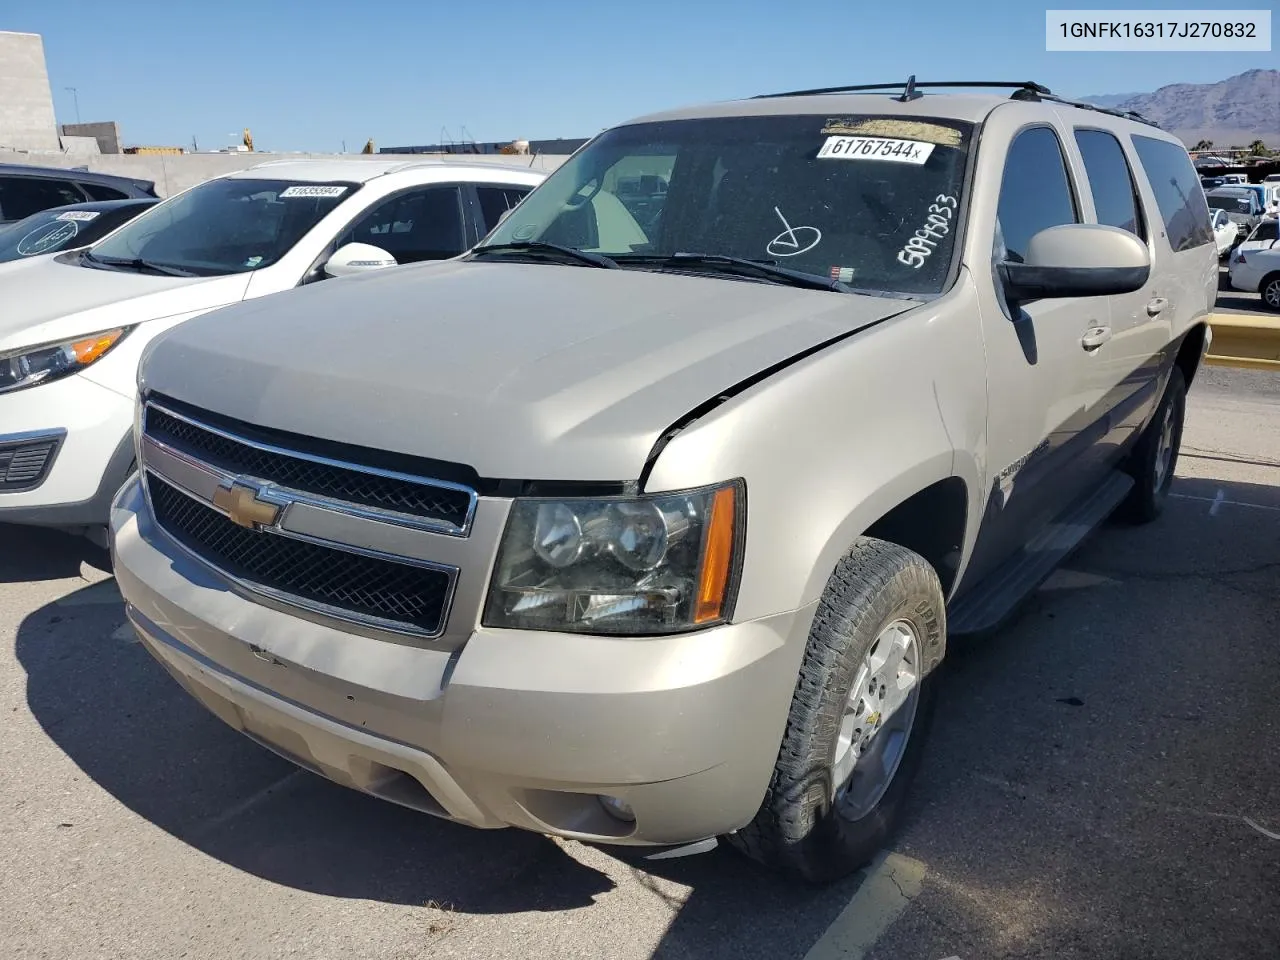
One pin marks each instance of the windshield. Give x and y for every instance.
(44, 232)
(868, 201)
(223, 226)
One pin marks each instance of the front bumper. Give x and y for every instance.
(515, 728)
(92, 459)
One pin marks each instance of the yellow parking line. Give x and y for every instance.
(892, 882)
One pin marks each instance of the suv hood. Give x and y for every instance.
(51, 298)
(524, 371)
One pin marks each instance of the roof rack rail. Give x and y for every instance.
(1126, 114)
(910, 86)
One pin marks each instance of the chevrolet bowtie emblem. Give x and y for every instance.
(242, 506)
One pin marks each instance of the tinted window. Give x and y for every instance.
(1178, 192)
(20, 197)
(868, 201)
(495, 201)
(98, 192)
(419, 225)
(1035, 193)
(1110, 181)
(229, 225)
(1267, 230)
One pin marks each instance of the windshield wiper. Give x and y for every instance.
(550, 251)
(139, 263)
(736, 266)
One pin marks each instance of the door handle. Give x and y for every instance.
(1095, 337)
(1155, 306)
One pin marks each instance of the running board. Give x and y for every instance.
(990, 604)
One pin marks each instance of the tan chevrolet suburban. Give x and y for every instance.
(648, 520)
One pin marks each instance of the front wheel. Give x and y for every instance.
(858, 719)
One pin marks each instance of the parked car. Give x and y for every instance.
(74, 324)
(1271, 178)
(26, 190)
(1240, 204)
(1210, 182)
(1225, 234)
(1272, 199)
(75, 225)
(650, 535)
(1257, 270)
(1263, 237)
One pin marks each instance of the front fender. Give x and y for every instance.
(831, 444)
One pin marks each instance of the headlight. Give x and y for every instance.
(31, 365)
(635, 565)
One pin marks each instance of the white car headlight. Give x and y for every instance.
(28, 366)
(627, 565)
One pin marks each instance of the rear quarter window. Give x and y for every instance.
(1179, 195)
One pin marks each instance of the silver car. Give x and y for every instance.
(648, 520)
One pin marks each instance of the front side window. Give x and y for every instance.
(495, 202)
(417, 225)
(1035, 193)
(869, 202)
(1110, 181)
(1178, 195)
(232, 225)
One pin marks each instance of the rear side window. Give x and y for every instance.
(20, 197)
(495, 201)
(97, 191)
(1035, 193)
(1111, 182)
(1178, 192)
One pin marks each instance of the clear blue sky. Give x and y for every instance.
(307, 76)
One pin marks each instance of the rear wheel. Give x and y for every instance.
(1270, 290)
(1156, 456)
(858, 719)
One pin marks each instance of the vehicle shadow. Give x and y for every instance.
(36, 553)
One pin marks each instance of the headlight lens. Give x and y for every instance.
(31, 365)
(637, 565)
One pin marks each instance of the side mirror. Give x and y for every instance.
(1077, 260)
(352, 258)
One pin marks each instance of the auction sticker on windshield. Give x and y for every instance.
(875, 148)
(319, 190)
(80, 216)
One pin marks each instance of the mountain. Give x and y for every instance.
(1110, 99)
(1237, 110)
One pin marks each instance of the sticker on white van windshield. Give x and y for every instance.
(80, 216)
(319, 190)
(875, 148)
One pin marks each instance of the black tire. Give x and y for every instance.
(798, 829)
(1269, 290)
(1151, 486)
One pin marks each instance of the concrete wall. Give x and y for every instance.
(26, 102)
(106, 133)
(172, 174)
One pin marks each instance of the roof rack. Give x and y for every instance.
(1026, 90)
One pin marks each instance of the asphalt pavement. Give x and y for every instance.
(1103, 780)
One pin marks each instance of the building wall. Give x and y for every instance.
(106, 133)
(173, 174)
(26, 102)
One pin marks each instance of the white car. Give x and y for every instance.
(74, 325)
(1258, 271)
(1224, 232)
(1263, 237)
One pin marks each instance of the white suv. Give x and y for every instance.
(75, 325)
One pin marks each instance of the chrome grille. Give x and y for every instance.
(442, 505)
(333, 581)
